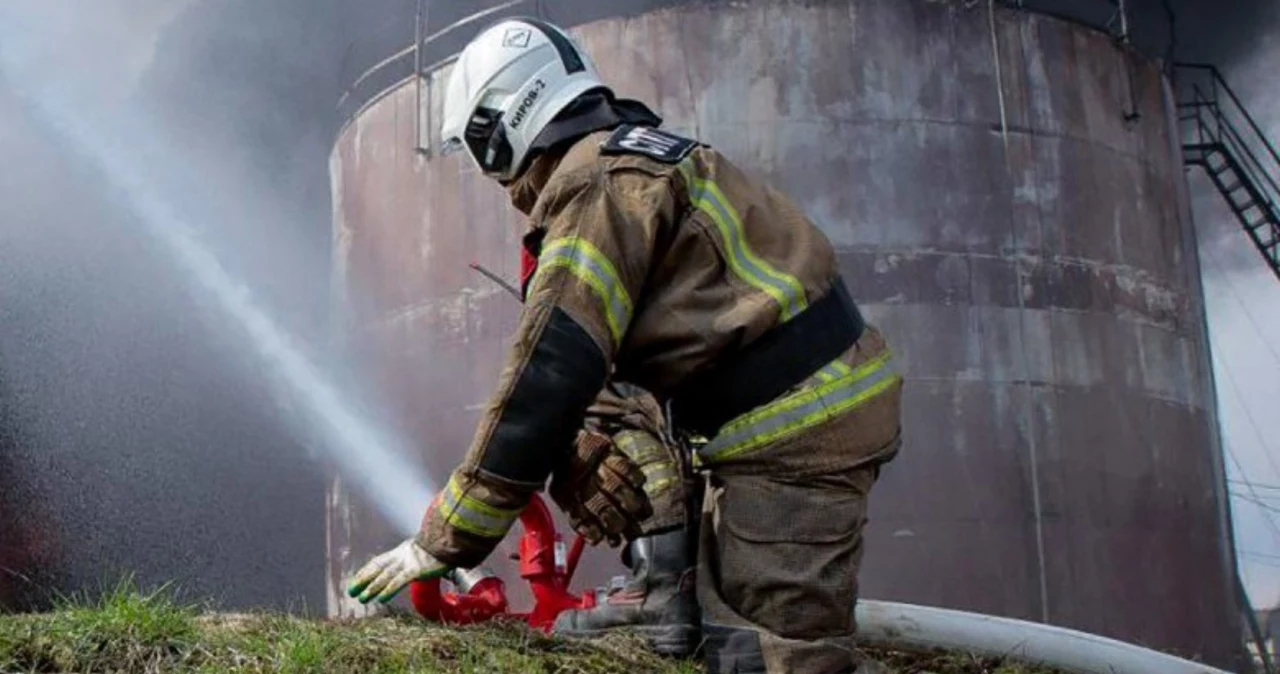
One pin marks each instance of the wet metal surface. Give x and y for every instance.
(1018, 240)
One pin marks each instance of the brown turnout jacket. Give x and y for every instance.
(656, 256)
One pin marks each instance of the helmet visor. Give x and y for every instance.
(486, 140)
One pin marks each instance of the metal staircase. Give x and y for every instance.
(1220, 136)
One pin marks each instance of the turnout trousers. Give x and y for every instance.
(780, 536)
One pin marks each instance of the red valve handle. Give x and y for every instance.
(482, 595)
(481, 601)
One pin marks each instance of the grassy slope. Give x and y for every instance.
(129, 632)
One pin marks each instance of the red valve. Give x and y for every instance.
(481, 595)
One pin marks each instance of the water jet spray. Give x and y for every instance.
(123, 150)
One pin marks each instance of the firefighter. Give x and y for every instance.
(661, 263)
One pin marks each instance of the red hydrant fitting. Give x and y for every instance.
(481, 596)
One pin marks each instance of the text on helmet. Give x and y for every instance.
(528, 101)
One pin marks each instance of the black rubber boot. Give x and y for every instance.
(658, 601)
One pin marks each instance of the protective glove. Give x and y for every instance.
(601, 490)
(385, 575)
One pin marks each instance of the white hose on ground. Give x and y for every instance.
(910, 626)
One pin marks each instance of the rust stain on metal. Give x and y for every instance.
(1026, 258)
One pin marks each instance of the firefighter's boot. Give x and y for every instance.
(657, 602)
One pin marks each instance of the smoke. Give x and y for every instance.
(171, 209)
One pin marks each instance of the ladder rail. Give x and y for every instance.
(1220, 84)
(1193, 113)
(1232, 138)
(1269, 224)
(1268, 248)
(1214, 124)
(1264, 191)
(1223, 131)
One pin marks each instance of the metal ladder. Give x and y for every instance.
(1221, 137)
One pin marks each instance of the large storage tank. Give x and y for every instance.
(1006, 192)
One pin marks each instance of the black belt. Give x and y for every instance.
(770, 366)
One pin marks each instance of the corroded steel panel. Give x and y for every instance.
(1003, 190)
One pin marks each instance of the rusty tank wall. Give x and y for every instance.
(1005, 192)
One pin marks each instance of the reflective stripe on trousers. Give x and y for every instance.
(842, 388)
(473, 515)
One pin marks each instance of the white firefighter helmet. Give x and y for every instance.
(506, 86)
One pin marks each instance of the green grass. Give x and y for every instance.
(909, 662)
(129, 631)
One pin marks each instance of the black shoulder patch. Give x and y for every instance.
(648, 141)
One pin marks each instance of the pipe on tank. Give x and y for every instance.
(910, 626)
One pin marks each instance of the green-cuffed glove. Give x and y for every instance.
(385, 575)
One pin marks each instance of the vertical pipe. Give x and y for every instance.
(417, 77)
(995, 57)
(1124, 21)
(1170, 52)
